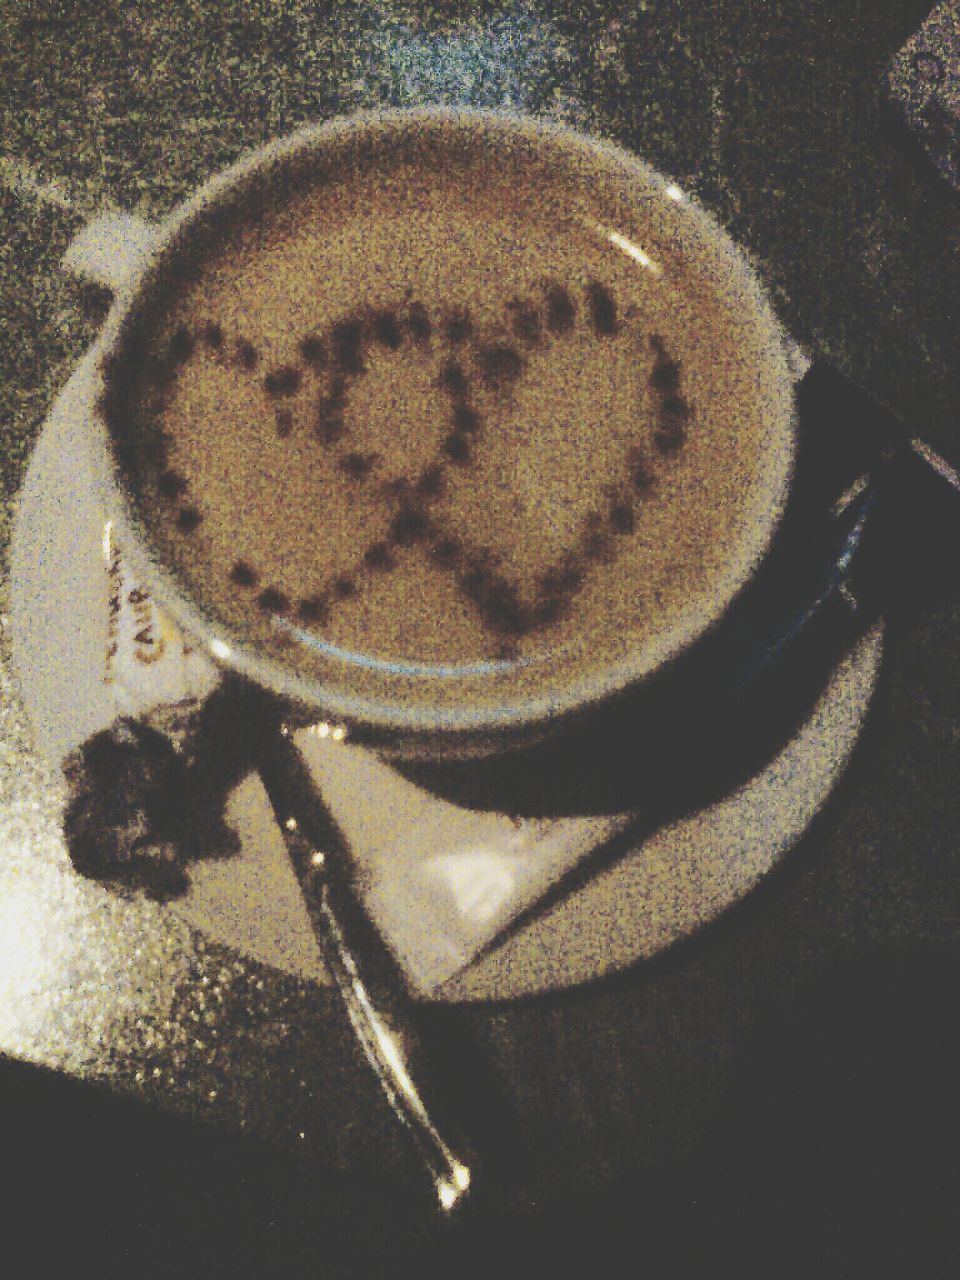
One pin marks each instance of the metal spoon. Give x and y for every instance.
(365, 974)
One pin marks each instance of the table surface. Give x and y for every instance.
(789, 1064)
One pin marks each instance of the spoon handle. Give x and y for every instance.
(365, 974)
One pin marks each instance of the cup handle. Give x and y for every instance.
(110, 250)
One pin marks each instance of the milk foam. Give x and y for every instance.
(430, 416)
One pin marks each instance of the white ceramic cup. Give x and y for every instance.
(474, 713)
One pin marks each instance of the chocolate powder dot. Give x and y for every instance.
(671, 433)
(572, 574)
(562, 579)
(247, 354)
(622, 519)
(561, 310)
(284, 421)
(313, 609)
(181, 346)
(431, 480)
(466, 419)
(337, 395)
(172, 485)
(475, 581)
(273, 601)
(641, 476)
(347, 342)
(459, 327)
(213, 335)
(313, 350)
(453, 379)
(188, 519)
(448, 552)
(457, 448)
(525, 321)
(596, 545)
(283, 381)
(244, 575)
(378, 556)
(386, 329)
(344, 587)
(666, 375)
(498, 601)
(418, 322)
(603, 309)
(500, 364)
(548, 610)
(409, 525)
(358, 465)
(329, 426)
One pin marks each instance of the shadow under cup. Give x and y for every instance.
(555, 304)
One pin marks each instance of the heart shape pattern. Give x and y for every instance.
(489, 485)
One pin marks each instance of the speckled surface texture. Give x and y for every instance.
(775, 1095)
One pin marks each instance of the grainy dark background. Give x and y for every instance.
(775, 1098)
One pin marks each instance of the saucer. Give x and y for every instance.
(661, 890)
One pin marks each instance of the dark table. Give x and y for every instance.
(774, 1096)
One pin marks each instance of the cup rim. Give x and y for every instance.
(437, 730)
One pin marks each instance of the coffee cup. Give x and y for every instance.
(456, 429)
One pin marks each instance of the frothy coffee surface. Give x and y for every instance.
(433, 416)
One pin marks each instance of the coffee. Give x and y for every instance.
(448, 410)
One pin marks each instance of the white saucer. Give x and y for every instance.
(665, 889)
